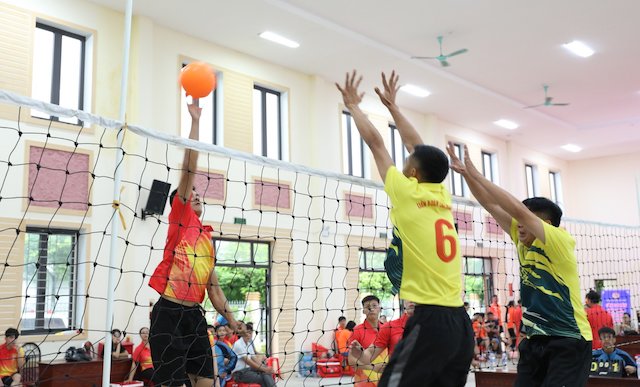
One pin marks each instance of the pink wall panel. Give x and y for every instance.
(62, 177)
(464, 220)
(272, 194)
(212, 188)
(359, 206)
(491, 226)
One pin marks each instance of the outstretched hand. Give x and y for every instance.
(194, 110)
(388, 97)
(457, 165)
(349, 91)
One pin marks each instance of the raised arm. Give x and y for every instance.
(408, 133)
(500, 203)
(368, 132)
(190, 163)
(219, 300)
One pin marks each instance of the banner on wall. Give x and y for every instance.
(616, 302)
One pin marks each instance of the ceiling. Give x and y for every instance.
(514, 48)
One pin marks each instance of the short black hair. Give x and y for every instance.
(466, 303)
(545, 208)
(432, 163)
(173, 195)
(605, 330)
(341, 318)
(13, 332)
(594, 296)
(370, 297)
(118, 331)
(350, 325)
(249, 326)
(511, 303)
(141, 329)
(219, 326)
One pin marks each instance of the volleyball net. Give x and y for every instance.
(296, 247)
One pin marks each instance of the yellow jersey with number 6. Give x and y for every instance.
(424, 256)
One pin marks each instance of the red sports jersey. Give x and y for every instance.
(142, 356)
(391, 333)
(9, 359)
(598, 318)
(188, 256)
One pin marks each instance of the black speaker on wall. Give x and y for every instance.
(157, 199)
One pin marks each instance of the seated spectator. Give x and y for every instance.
(626, 327)
(610, 353)
(492, 326)
(89, 349)
(597, 316)
(482, 342)
(117, 350)
(342, 337)
(222, 332)
(249, 367)
(142, 363)
(342, 323)
(512, 329)
(11, 359)
(225, 357)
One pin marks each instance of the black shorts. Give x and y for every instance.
(179, 343)
(7, 380)
(436, 349)
(553, 361)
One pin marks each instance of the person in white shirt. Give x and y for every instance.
(250, 367)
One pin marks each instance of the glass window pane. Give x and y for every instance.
(346, 119)
(60, 265)
(206, 118)
(42, 68)
(400, 151)
(230, 252)
(70, 75)
(273, 126)
(377, 260)
(261, 253)
(531, 192)
(552, 186)
(356, 150)
(257, 122)
(29, 279)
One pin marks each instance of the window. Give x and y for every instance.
(478, 282)
(398, 151)
(555, 187)
(243, 269)
(354, 158)
(269, 123)
(50, 281)
(530, 176)
(210, 120)
(372, 279)
(489, 166)
(59, 70)
(602, 284)
(458, 187)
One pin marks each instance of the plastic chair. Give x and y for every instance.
(31, 360)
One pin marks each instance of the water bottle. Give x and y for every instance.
(492, 360)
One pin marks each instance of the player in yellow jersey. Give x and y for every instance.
(437, 346)
(557, 347)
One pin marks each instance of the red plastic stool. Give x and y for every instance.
(274, 363)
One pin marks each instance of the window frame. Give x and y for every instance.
(555, 187)
(458, 149)
(40, 318)
(216, 124)
(57, 68)
(362, 253)
(486, 276)
(530, 172)
(264, 150)
(492, 174)
(399, 163)
(347, 118)
(252, 264)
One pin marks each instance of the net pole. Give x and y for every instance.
(117, 182)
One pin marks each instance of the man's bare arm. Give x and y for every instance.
(368, 132)
(499, 198)
(190, 162)
(408, 133)
(219, 300)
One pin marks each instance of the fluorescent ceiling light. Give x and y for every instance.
(272, 36)
(579, 48)
(571, 148)
(506, 124)
(415, 91)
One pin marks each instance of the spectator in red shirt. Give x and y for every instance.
(495, 308)
(365, 334)
(142, 358)
(597, 316)
(388, 336)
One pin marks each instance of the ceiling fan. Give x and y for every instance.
(548, 101)
(442, 58)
